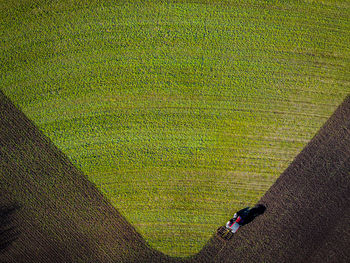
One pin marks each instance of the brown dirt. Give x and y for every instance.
(64, 218)
(307, 217)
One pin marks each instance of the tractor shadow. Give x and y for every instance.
(254, 212)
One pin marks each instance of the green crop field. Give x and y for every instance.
(181, 112)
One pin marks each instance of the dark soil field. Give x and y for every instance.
(307, 217)
(61, 217)
(50, 212)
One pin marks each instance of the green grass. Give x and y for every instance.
(181, 112)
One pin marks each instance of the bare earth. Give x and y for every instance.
(62, 217)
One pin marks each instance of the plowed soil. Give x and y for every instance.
(64, 218)
(180, 112)
(307, 216)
